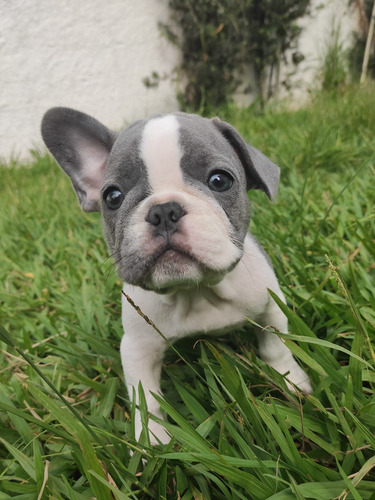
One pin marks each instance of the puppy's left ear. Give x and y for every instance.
(261, 173)
(81, 146)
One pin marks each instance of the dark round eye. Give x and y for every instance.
(220, 181)
(113, 198)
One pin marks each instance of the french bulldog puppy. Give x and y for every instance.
(172, 190)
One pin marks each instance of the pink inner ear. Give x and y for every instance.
(93, 158)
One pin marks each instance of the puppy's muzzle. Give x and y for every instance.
(164, 218)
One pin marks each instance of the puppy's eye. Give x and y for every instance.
(113, 198)
(220, 181)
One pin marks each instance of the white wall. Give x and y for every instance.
(316, 37)
(87, 54)
(317, 31)
(93, 55)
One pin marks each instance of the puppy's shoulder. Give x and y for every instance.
(253, 249)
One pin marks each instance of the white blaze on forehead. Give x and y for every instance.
(161, 152)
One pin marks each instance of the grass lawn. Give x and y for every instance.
(238, 433)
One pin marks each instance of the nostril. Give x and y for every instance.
(165, 214)
(153, 216)
(175, 212)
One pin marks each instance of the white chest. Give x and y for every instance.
(243, 293)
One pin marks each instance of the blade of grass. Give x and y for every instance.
(25, 462)
(75, 427)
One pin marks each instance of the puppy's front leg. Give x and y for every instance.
(142, 357)
(275, 353)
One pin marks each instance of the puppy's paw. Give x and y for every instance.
(294, 375)
(157, 433)
(303, 384)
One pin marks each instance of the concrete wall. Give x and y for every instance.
(93, 55)
(317, 35)
(87, 54)
(297, 81)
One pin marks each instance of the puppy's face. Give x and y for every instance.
(172, 191)
(174, 203)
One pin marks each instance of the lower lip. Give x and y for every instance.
(173, 255)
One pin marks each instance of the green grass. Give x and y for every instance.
(65, 417)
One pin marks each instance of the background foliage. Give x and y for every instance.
(219, 39)
(231, 44)
(364, 9)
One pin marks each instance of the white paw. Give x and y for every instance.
(294, 375)
(156, 432)
(304, 385)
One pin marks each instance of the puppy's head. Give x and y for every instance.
(172, 191)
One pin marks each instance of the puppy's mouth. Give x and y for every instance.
(173, 255)
(173, 267)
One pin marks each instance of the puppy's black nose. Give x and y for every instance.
(164, 217)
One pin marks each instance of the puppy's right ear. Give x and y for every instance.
(81, 146)
(261, 173)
